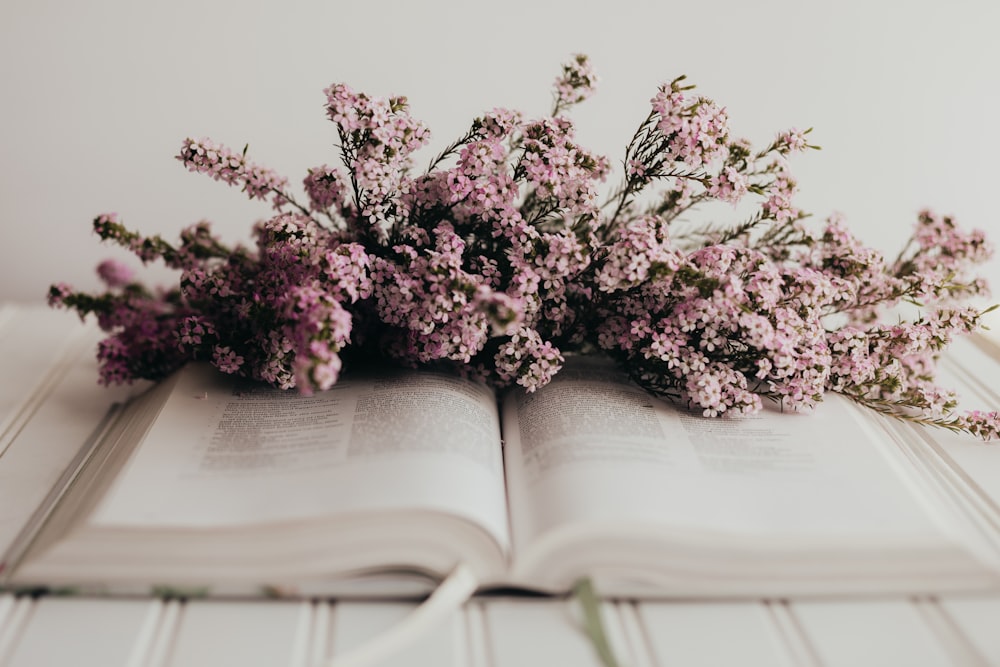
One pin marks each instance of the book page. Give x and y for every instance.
(228, 452)
(591, 447)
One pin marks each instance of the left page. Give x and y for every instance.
(225, 453)
(380, 486)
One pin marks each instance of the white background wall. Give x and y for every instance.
(97, 96)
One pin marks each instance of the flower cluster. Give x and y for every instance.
(501, 258)
(206, 157)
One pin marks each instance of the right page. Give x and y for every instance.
(602, 477)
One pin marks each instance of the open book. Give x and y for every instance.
(392, 478)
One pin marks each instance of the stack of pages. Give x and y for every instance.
(390, 480)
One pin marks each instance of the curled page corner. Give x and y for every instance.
(447, 598)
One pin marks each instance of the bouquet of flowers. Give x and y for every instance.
(501, 258)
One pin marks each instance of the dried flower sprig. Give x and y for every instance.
(501, 258)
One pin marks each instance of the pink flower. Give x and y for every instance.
(226, 360)
(58, 294)
(114, 273)
(729, 185)
(207, 157)
(577, 81)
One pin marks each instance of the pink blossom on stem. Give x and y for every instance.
(114, 273)
(695, 131)
(986, 425)
(226, 360)
(729, 185)
(223, 164)
(791, 141)
(577, 82)
(528, 360)
(326, 188)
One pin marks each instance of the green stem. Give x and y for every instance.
(452, 147)
(891, 409)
